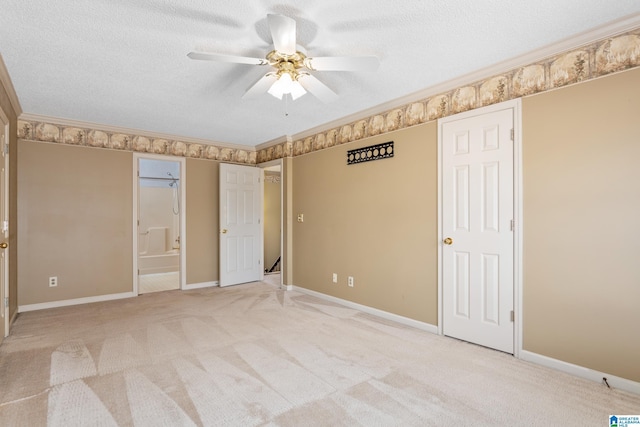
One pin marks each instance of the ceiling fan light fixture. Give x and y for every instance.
(297, 90)
(286, 84)
(281, 86)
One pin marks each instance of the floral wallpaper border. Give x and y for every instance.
(70, 135)
(594, 60)
(597, 59)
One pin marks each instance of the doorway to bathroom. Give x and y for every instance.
(273, 220)
(160, 236)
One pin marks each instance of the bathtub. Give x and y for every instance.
(161, 263)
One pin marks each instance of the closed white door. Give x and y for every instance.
(477, 228)
(241, 248)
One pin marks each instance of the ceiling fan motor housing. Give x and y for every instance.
(287, 63)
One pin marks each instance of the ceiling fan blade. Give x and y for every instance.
(343, 63)
(283, 33)
(227, 58)
(317, 88)
(261, 86)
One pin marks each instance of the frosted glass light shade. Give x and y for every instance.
(285, 84)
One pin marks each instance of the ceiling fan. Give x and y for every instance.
(291, 67)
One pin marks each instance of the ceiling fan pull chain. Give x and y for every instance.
(286, 105)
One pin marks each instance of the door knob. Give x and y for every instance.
(4, 245)
(223, 231)
(448, 241)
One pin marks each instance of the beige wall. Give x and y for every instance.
(272, 221)
(581, 148)
(155, 209)
(202, 212)
(286, 268)
(75, 207)
(374, 221)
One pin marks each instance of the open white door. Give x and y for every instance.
(477, 158)
(241, 213)
(4, 234)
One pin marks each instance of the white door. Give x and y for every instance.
(4, 233)
(477, 228)
(240, 224)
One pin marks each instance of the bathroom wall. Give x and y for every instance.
(156, 211)
(158, 201)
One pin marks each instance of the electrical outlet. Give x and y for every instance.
(350, 281)
(53, 281)
(335, 278)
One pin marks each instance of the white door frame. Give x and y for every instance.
(4, 122)
(183, 219)
(516, 105)
(264, 166)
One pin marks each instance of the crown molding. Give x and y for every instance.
(611, 29)
(128, 131)
(5, 80)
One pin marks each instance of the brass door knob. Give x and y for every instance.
(4, 245)
(448, 241)
(223, 231)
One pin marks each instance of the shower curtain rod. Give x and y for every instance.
(161, 179)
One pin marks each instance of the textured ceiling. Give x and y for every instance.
(123, 62)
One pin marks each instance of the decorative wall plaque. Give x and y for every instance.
(373, 152)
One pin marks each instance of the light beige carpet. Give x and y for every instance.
(254, 355)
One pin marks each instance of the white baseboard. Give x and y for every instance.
(75, 301)
(200, 285)
(370, 310)
(580, 371)
(286, 287)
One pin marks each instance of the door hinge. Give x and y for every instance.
(512, 134)
(513, 225)
(6, 302)
(513, 316)
(5, 226)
